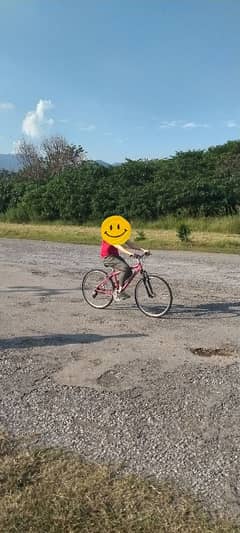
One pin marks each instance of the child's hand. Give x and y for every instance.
(147, 252)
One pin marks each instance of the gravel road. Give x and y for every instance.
(159, 396)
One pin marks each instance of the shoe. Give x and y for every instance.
(116, 296)
(124, 295)
(119, 296)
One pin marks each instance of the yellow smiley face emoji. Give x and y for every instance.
(115, 230)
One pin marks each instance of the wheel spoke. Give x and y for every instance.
(153, 296)
(97, 289)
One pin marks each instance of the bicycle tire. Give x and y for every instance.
(167, 287)
(84, 290)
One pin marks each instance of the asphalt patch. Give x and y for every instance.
(214, 352)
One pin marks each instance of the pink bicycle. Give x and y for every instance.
(152, 293)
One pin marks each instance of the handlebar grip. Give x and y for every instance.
(139, 256)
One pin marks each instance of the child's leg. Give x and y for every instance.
(125, 274)
(118, 263)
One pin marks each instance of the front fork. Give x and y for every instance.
(147, 283)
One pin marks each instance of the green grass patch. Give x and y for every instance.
(152, 238)
(225, 224)
(51, 491)
(51, 232)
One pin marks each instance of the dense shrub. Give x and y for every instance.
(194, 183)
(184, 232)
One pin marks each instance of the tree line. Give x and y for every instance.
(58, 182)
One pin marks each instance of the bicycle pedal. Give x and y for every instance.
(94, 294)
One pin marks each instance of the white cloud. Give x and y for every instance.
(6, 106)
(89, 127)
(108, 134)
(168, 124)
(232, 124)
(35, 121)
(189, 125)
(194, 125)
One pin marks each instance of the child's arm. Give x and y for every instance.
(130, 245)
(123, 249)
(133, 246)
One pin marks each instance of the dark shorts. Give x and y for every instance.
(116, 262)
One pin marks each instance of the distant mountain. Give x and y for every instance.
(9, 162)
(103, 163)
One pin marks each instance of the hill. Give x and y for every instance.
(9, 162)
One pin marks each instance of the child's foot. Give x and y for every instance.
(124, 295)
(118, 296)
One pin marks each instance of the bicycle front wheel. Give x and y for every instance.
(153, 296)
(97, 289)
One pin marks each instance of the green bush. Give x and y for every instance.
(184, 232)
(196, 183)
(17, 214)
(32, 203)
(140, 235)
(5, 193)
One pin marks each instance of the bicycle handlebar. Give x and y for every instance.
(141, 256)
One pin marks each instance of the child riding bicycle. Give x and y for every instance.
(112, 259)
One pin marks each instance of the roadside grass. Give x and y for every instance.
(154, 238)
(54, 491)
(51, 232)
(224, 224)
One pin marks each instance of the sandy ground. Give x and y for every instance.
(118, 386)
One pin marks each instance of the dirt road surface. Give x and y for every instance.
(161, 397)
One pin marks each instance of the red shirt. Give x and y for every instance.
(108, 249)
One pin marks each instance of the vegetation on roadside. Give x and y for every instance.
(58, 183)
(188, 201)
(184, 232)
(54, 491)
(222, 224)
(150, 238)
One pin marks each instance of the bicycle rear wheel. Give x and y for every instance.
(153, 296)
(97, 289)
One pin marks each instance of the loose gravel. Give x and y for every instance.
(119, 387)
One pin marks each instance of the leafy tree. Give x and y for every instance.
(51, 158)
(5, 192)
(58, 183)
(31, 161)
(58, 154)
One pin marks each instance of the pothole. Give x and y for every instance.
(136, 374)
(224, 351)
(39, 273)
(108, 379)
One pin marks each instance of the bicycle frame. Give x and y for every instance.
(148, 280)
(136, 269)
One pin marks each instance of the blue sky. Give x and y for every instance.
(123, 78)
